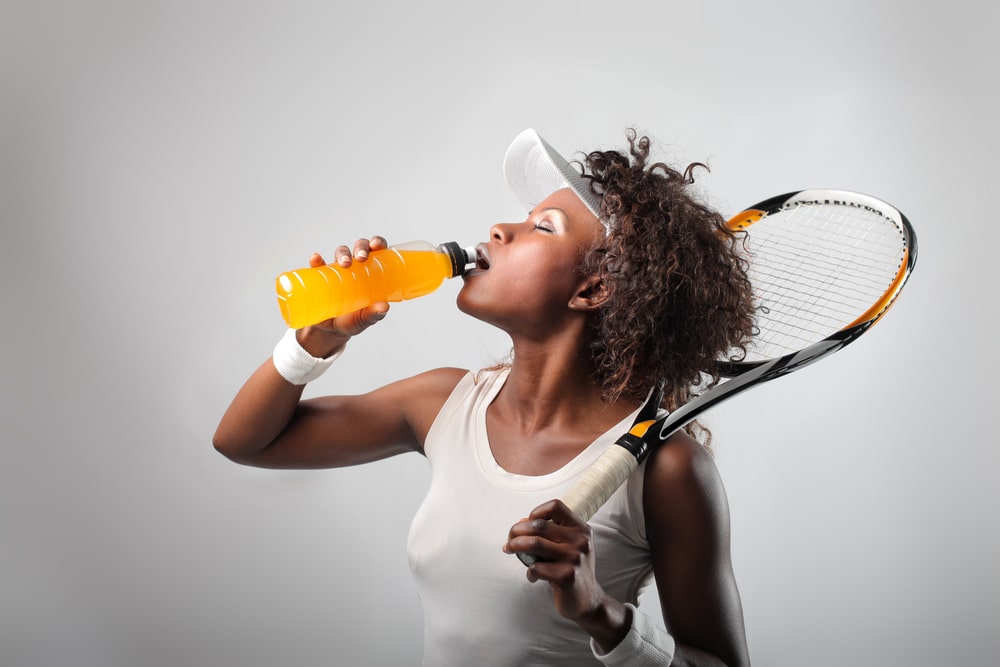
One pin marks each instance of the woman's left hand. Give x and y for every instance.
(564, 546)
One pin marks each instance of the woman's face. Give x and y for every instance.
(528, 275)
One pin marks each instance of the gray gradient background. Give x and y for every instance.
(161, 162)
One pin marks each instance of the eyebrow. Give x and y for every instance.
(556, 209)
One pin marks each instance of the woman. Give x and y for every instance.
(618, 280)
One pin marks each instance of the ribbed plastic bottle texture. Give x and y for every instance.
(314, 294)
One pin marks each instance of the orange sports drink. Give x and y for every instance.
(310, 295)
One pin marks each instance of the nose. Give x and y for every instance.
(501, 232)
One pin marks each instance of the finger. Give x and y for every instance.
(356, 322)
(342, 256)
(543, 539)
(364, 247)
(540, 527)
(539, 523)
(316, 260)
(361, 249)
(539, 548)
(557, 512)
(559, 574)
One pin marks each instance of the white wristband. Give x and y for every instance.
(295, 364)
(645, 645)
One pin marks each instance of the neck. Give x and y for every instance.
(552, 386)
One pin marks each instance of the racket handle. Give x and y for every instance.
(598, 484)
(600, 481)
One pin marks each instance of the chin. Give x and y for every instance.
(474, 308)
(465, 304)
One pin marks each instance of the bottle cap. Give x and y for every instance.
(461, 258)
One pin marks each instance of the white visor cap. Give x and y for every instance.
(534, 170)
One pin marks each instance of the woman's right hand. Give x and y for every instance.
(325, 338)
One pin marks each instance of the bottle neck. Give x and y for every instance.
(462, 259)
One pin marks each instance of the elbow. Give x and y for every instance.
(228, 447)
(222, 445)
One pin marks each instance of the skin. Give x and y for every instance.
(548, 411)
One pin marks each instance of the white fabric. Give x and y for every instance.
(479, 608)
(534, 170)
(295, 364)
(645, 645)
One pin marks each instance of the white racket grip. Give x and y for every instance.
(600, 481)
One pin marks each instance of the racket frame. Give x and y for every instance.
(646, 433)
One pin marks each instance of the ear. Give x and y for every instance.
(591, 294)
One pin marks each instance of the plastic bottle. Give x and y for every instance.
(310, 295)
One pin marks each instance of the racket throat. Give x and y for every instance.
(634, 441)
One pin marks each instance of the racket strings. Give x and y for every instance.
(817, 268)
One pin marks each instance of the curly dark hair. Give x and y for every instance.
(678, 293)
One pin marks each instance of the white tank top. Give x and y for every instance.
(479, 609)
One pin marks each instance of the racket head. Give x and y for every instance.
(825, 265)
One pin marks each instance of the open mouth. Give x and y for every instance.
(482, 258)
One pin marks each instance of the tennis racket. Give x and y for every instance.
(825, 265)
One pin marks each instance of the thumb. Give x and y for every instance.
(356, 322)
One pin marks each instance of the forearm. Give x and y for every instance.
(688, 656)
(623, 636)
(261, 410)
(640, 643)
(608, 624)
(267, 402)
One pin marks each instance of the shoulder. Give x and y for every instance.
(683, 494)
(418, 391)
(681, 463)
(422, 396)
(437, 381)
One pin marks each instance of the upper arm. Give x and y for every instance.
(334, 431)
(687, 522)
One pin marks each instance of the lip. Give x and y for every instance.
(482, 257)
